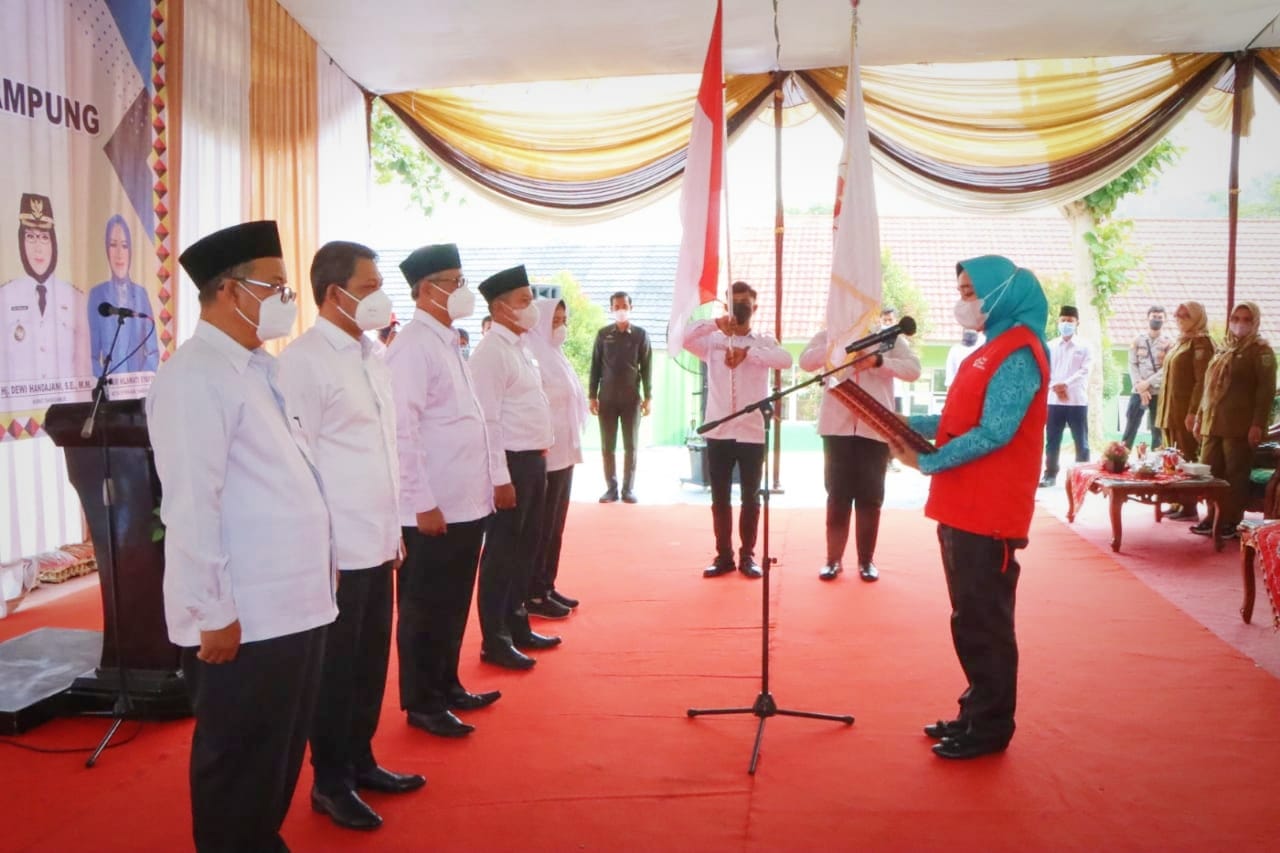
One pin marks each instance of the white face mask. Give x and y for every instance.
(622, 315)
(1066, 329)
(275, 318)
(1241, 330)
(460, 303)
(558, 335)
(969, 314)
(372, 312)
(526, 317)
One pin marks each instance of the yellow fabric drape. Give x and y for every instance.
(283, 143)
(1012, 135)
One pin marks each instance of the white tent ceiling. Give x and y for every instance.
(396, 45)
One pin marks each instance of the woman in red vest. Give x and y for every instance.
(991, 430)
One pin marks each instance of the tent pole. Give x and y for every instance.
(1243, 79)
(778, 229)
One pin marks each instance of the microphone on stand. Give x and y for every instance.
(905, 326)
(106, 309)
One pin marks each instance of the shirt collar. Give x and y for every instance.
(226, 346)
(339, 339)
(505, 334)
(445, 333)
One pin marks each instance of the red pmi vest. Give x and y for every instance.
(993, 495)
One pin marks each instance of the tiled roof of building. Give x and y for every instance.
(1182, 259)
(644, 271)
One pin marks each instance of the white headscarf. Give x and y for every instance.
(553, 365)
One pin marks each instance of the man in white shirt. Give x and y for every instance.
(1069, 362)
(340, 392)
(856, 457)
(738, 365)
(446, 492)
(518, 421)
(969, 341)
(249, 580)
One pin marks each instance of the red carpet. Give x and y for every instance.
(1138, 729)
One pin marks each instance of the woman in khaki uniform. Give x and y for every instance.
(1183, 382)
(1239, 386)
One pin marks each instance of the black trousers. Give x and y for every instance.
(1133, 420)
(555, 511)
(507, 562)
(982, 581)
(252, 719)
(853, 472)
(353, 680)
(613, 412)
(1075, 417)
(722, 455)
(433, 593)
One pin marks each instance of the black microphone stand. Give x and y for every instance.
(122, 706)
(765, 706)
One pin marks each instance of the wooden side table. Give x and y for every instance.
(1152, 492)
(1248, 530)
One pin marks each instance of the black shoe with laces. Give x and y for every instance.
(547, 608)
(560, 598)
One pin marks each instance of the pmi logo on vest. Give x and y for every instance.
(980, 363)
(22, 99)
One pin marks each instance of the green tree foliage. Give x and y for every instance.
(1260, 200)
(396, 155)
(901, 293)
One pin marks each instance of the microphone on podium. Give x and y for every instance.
(905, 326)
(106, 309)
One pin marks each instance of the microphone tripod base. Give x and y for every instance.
(765, 707)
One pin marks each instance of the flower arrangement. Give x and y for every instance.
(1115, 458)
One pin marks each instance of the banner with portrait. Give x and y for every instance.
(84, 262)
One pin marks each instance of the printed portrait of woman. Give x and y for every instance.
(136, 349)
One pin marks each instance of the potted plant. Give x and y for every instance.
(1115, 458)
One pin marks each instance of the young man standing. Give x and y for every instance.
(340, 392)
(1069, 362)
(1146, 372)
(249, 563)
(738, 365)
(618, 390)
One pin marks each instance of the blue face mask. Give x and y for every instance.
(1066, 329)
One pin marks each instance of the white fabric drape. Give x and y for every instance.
(343, 155)
(215, 131)
(43, 511)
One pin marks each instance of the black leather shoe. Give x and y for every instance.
(629, 497)
(440, 724)
(609, 497)
(547, 608)
(384, 781)
(831, 571)
(461, 700)
(946, 728)
(868, 572)
(560, 598)
(507, 657)
(1048, 480)
(1204, 528)
(346, 809)
(967, 746)
(750, 568)
(536, 641)
(718, 568)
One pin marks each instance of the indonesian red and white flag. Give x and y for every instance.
(698, 267)
(853, 302)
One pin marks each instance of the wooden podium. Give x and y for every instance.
(135, 637)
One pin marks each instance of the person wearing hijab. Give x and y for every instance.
(564, 392)
(136, 350)
(1240, 384)
(1182, 385)
(989, 437)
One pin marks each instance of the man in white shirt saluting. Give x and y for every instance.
(518, 421)
(249, 581)
(738, 365)
(446, 492)
(340, 391)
